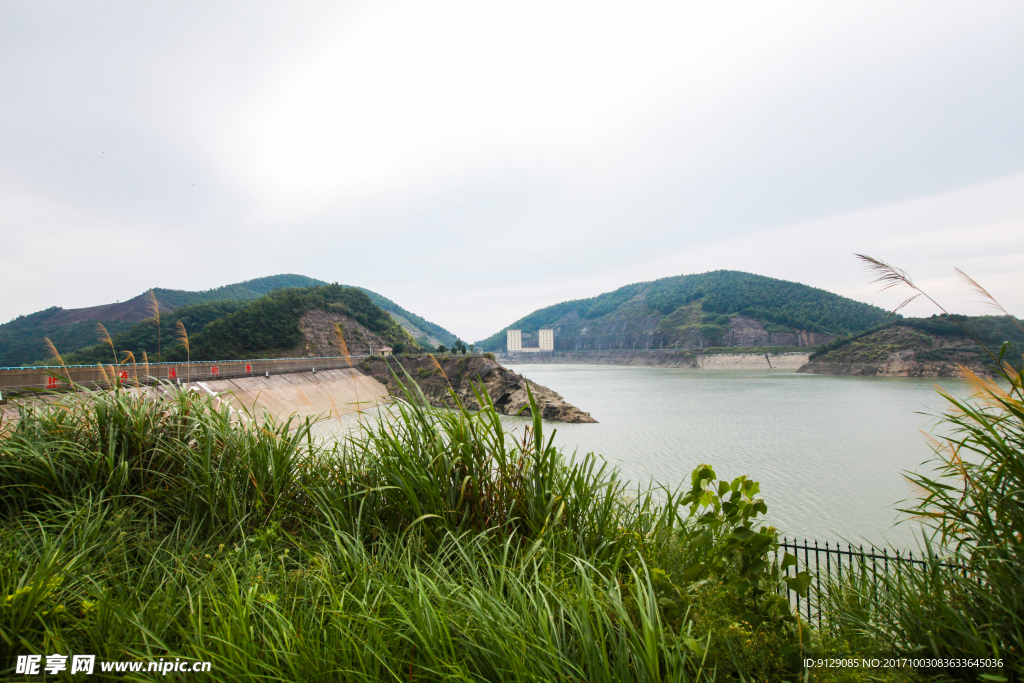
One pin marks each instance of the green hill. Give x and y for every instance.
(720, 308)
(937, 339)
(428, 334)
(71, 330)
(232, 330)
(241, 291)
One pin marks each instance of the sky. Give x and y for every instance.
(476, 161)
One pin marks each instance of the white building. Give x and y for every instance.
(546, 339)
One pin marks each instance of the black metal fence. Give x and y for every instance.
(832, 566)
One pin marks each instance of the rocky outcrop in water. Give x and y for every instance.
(438, 377)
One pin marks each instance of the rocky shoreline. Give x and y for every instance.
(898, 364)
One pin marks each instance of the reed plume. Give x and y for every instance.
(890, 276)
(145, 365)
(342, 346)
(56, 356)
(441, 370)
(183, 338)
(339, 337)
(987, 298)
(104, 337)
(106, 378)
(154, 309)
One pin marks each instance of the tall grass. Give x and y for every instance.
(435, 547)
(967, 602)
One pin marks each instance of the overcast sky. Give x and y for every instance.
(476, 161)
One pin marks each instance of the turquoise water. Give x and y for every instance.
(829, 451)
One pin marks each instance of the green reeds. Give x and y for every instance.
(145, 523)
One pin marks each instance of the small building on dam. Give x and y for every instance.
(545, 342)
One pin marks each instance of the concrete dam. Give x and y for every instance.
(310, 387)
(302, 387)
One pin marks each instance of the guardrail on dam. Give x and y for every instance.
(56, 376)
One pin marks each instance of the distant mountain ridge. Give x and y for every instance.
(280, 324)
(714, 309)
(21, 339)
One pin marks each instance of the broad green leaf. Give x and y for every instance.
(702, 472)
(694, 646)
(799, 583)
(700, 541)
(693, 572)
(758, 566)
(788, 561)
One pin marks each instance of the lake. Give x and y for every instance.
(829, 451)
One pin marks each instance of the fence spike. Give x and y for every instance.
(817, 578)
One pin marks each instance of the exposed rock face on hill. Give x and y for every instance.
(746, 331)
(506, 389)
(901, 352)
(645, 332)
(319, 339)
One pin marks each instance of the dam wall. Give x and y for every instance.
(320, 394)
(667, 359)
(56, 376)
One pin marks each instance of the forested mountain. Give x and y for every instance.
(228, 330)
(720, 308)
(21, 340)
